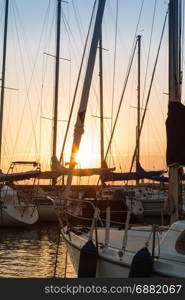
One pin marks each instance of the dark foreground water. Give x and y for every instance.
(31, 253)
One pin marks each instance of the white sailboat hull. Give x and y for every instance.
(15, 219)
(110, 265)
(14, 212)
(105, 268)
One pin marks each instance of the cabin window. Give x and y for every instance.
(180, 243)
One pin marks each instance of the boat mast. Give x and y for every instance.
(79, 127)
(138, 104)
(57, 69)
(174, 96)
(3, 76)
(101, 101)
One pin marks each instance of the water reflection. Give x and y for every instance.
(31, 253)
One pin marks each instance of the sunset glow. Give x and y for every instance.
(85, 157)
(28, 111)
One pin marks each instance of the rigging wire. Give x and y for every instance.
(77, 18)
(77, 15)
(161, 143)
(1, 11)
(79, 25)
(66, 262)
(150, 88)
(16, 12)
(155, 87)
(127, 76)
(114, 67)
(121, 100)
(44, 72)
(57, 251)
(149, 51)
(23, 67)
(70, 64)
(47, 43)
(77, 85)
(8, 119)
(5, 148)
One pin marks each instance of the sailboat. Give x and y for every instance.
(134, 251)
(35, 198)
(150, 200)
(44, 206)
(28, 204)
(13, 211)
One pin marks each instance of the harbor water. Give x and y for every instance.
(31, 253)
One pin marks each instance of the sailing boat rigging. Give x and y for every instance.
(140, 173)
(136, 251)
(3, 75)
(138, 104)
(13, 211)
(57, 168)
(16, 176)
(105, 173)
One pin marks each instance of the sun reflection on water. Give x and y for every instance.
(31, 253)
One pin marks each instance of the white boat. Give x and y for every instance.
(146, 200)
(13, 211)
(135, 251)
(115, 261)
(45, 209)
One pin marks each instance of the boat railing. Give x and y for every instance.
(67, 214)
(64, 211)
(83, 209)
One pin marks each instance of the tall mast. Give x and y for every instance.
(174, 96)
(57, 69)
(138, 103)
(3, 76)
(175, 51)
(79, 127)
(101, 101)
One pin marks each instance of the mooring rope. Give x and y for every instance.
(65, 270)
(57, 252)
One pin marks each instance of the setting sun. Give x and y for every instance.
(86, 156)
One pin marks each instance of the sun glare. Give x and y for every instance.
(85, 157)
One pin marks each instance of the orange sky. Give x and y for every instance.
(27, 135)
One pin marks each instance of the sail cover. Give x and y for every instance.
(139, 174)
(111, 176)
(76, 172)
(175, 128)
(51, 174)
(18, 176)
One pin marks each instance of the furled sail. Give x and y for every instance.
(161, 179)
(76, 172)
(58, 170)
(175, 134)
(139, 174)
(18, 176)
(52, 174)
